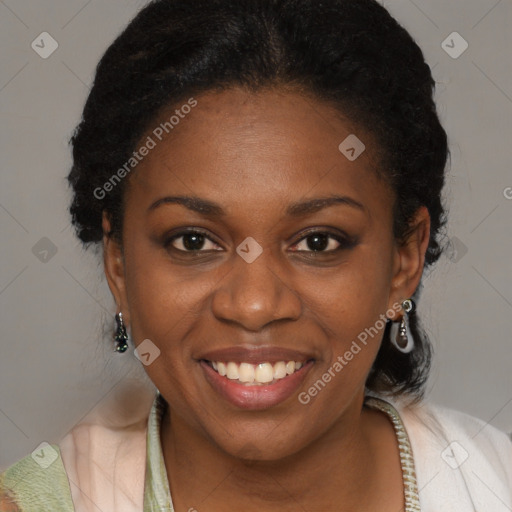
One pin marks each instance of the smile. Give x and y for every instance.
(256, 374)
(255, 386)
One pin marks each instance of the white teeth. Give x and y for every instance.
(246, 372)
(280, 370)
(263, 373)
(221, 369)
(232, 371)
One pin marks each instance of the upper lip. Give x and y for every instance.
(256, 355)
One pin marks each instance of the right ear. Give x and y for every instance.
(113, 261)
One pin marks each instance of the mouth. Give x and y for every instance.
(260, 374)
(255, 378)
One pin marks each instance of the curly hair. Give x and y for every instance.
(352, 54)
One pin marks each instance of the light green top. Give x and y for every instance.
(27, 486)
(157, 495)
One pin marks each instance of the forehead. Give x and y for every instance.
(265, 147)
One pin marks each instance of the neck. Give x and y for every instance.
(339, 465)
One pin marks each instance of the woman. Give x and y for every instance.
(265, 179)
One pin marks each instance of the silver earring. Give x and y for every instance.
(400, 332)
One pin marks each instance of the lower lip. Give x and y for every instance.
(255, 397)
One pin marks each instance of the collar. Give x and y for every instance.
(157, 495)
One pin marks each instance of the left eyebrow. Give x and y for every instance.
(314, 205)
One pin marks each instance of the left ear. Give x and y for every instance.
(409, 259)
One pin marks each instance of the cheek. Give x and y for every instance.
(165, 307)
(352, 297)
(349, 306)
(168, 305)
(163, 301)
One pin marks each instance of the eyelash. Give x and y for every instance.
(345, 241)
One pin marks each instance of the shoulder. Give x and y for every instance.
(459, 456)
(36, 482)
(436, 422)
(105, 454)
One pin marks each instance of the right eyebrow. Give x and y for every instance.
(196, 204)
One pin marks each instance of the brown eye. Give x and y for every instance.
(322, 242)
(190, 241)
(319, 242)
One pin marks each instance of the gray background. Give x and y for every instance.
(55, 311)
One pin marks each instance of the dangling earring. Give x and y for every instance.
(400, 332)
(120, 335)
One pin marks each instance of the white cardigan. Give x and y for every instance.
(462, 463)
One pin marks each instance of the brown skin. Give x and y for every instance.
(254, 154)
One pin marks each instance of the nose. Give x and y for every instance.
(253, 295)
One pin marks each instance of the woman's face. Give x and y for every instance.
(289, 256)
